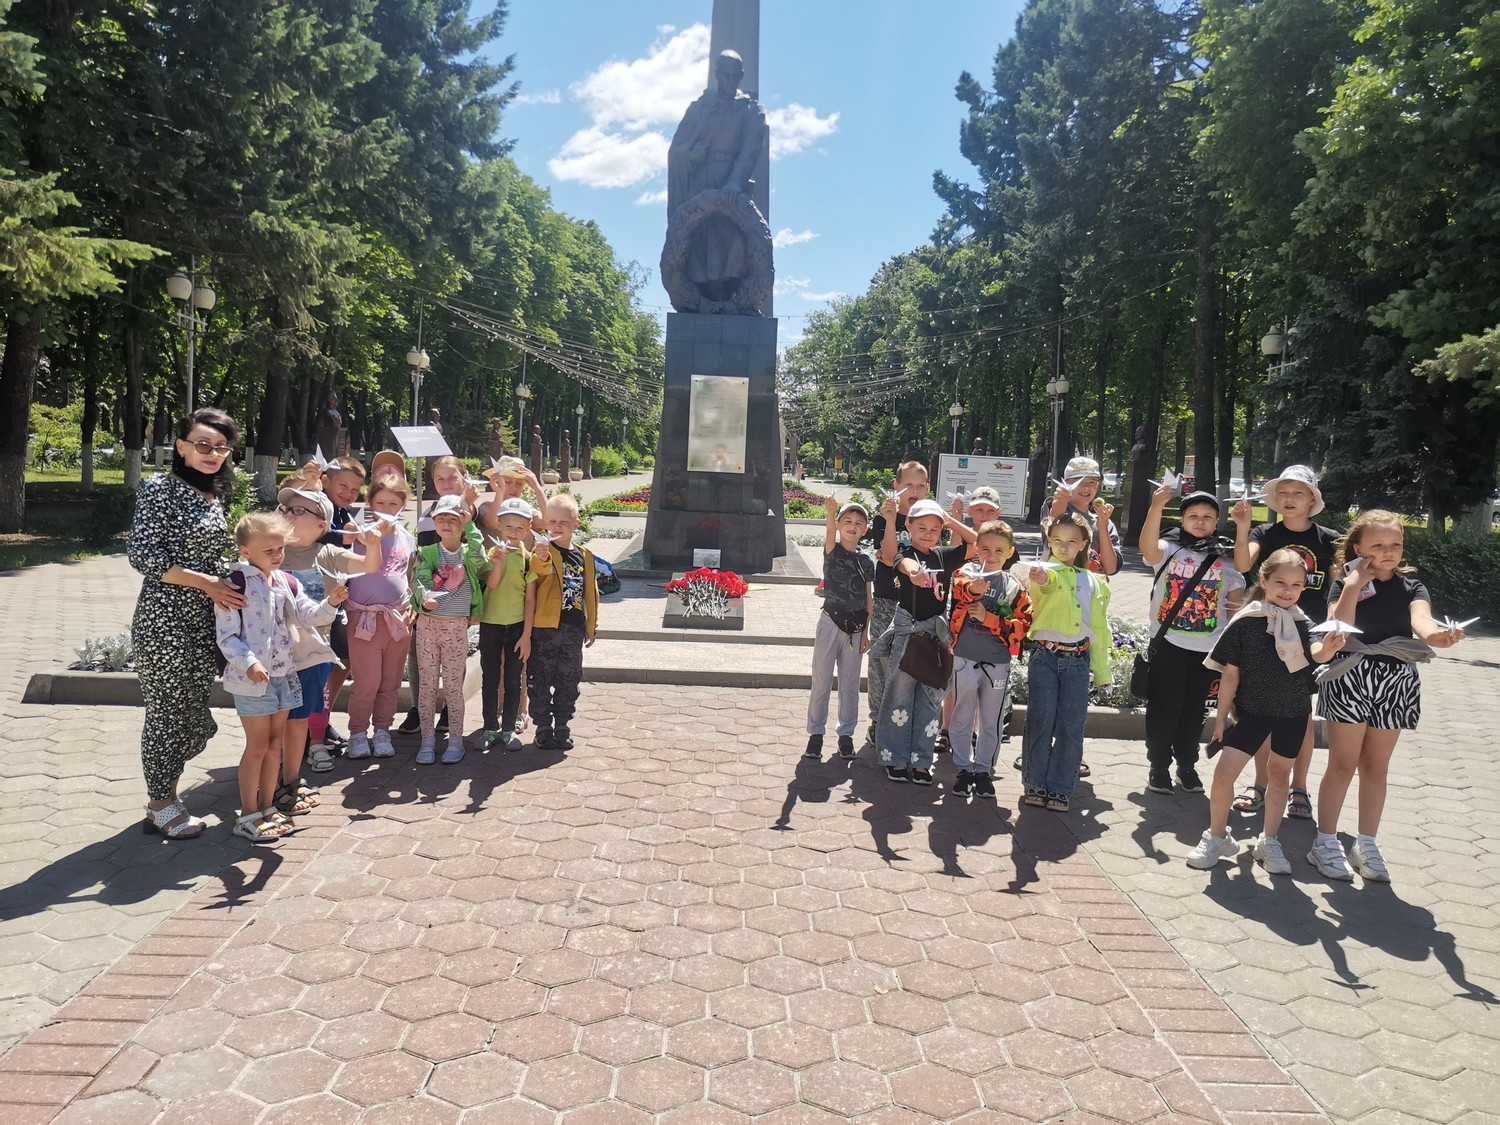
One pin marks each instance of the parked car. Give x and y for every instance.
(1111, 481)
(1236, 486)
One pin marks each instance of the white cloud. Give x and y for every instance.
(546, 97)
(801, 288)
(651, 198)
(612, 160)
(635, 104)
(654, 90)
(796, 127)
(788, 237)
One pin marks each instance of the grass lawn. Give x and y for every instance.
(57, 515)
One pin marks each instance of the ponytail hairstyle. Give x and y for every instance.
(1286, 556)
(1072, 518)
(1344, 552)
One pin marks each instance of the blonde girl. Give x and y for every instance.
(1264, 659)
(1070, 640)
(1372, 693)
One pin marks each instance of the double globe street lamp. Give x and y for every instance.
(191, 299)
(420, 363)
(955, 416)
(1057, 392)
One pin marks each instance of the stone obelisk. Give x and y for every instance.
(717, 480)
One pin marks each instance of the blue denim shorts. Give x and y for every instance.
(314, 683)
(283, 693)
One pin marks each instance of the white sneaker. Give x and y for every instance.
(425, 755)
(319, 760)
(1269, 855)
(1330, 861)
(455, 751)
(1211, 849)
(383, 747)
(359, 746)
(1368, 861)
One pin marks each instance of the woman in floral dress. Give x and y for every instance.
(180, 543)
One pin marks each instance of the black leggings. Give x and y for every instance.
(1174, 713)
(498, 659)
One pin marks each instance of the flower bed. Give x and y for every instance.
(798, 501)
(1130, 637)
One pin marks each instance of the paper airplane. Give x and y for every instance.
(987, 573)
(372, 518)
(504, 546)
(957, 496)
(540, 537)
(1450, 624)
(339, 579)
(889, 495)
(319, 460)
(1169, 479)
(1335, 626)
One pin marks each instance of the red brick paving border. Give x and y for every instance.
(599, 938)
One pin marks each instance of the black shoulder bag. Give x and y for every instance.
(926, 659)
(1140, 668)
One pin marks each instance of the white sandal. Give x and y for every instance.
(252, 826)
(174, 822)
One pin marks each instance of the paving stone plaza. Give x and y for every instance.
(682, 920)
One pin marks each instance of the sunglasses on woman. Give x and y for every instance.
(206, 448)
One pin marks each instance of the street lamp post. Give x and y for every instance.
(420, 363)
(1274, 345)
(1057, 391)
(191, 299)
(523, 392)
(578, 430)
(955, 416)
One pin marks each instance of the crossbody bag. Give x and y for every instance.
(1140, 668)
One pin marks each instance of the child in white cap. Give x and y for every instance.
(446, 591)
(1293, 499)
(1080, 493)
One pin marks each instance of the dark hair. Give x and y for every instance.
(214, 418)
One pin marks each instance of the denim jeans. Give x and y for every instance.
(881, 615)
(911, 714)
(1057, 704)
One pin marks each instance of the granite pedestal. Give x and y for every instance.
(738, 514)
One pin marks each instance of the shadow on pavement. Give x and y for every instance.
(132, 866)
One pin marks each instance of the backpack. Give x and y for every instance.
(605, 578)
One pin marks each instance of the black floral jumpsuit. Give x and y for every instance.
(173, 629)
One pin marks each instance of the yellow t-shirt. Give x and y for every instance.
(505, 603)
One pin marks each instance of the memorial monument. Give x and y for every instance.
(717, 479)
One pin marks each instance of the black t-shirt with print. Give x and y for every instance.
(846, 573)
(572, 587)
(923, 602)
(885, 577)
(1267, 686)
(1316, 546)
(1384, 609)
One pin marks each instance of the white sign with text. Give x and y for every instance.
(964, 472)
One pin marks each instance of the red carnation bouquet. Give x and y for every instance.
(707, 592)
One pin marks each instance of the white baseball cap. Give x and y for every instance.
(515, 506)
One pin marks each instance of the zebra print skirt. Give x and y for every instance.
(1379, 691)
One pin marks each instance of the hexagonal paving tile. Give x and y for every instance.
(661, 1084)
(566, 1082)
(752, 1086)
(708, 1043)
(448, 1036)
(622, 1040)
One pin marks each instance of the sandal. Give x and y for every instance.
(277, 823)
(1017, 762)
(1036, 798)
(1251, 798)
(1299, 804)
(942, 744)
(320, 758)
(1056, 802)
(291, 801)
(1083, 770)
(174, 822)
(253, 827)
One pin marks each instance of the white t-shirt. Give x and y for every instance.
(1204, 614)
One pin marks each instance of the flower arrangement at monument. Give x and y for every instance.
(706, 592)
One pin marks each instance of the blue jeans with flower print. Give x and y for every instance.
(1057, 706)
(911, 714)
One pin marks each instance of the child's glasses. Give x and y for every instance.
(208, 448)
(292, 513)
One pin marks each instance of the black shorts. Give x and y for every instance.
(338, 637)
(1251, 731)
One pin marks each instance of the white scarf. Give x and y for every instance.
(1282, 625)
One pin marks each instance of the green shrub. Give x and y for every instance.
(1461, 571)
(110, 515)
(607, 462)
(56, 435)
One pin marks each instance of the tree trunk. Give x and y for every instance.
(135, 367)
(301, 431)
(23, 347)
(1102, 357)
(271, 426)
(1205, 331)
(90, 423)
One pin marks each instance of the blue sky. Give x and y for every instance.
(859, 95)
